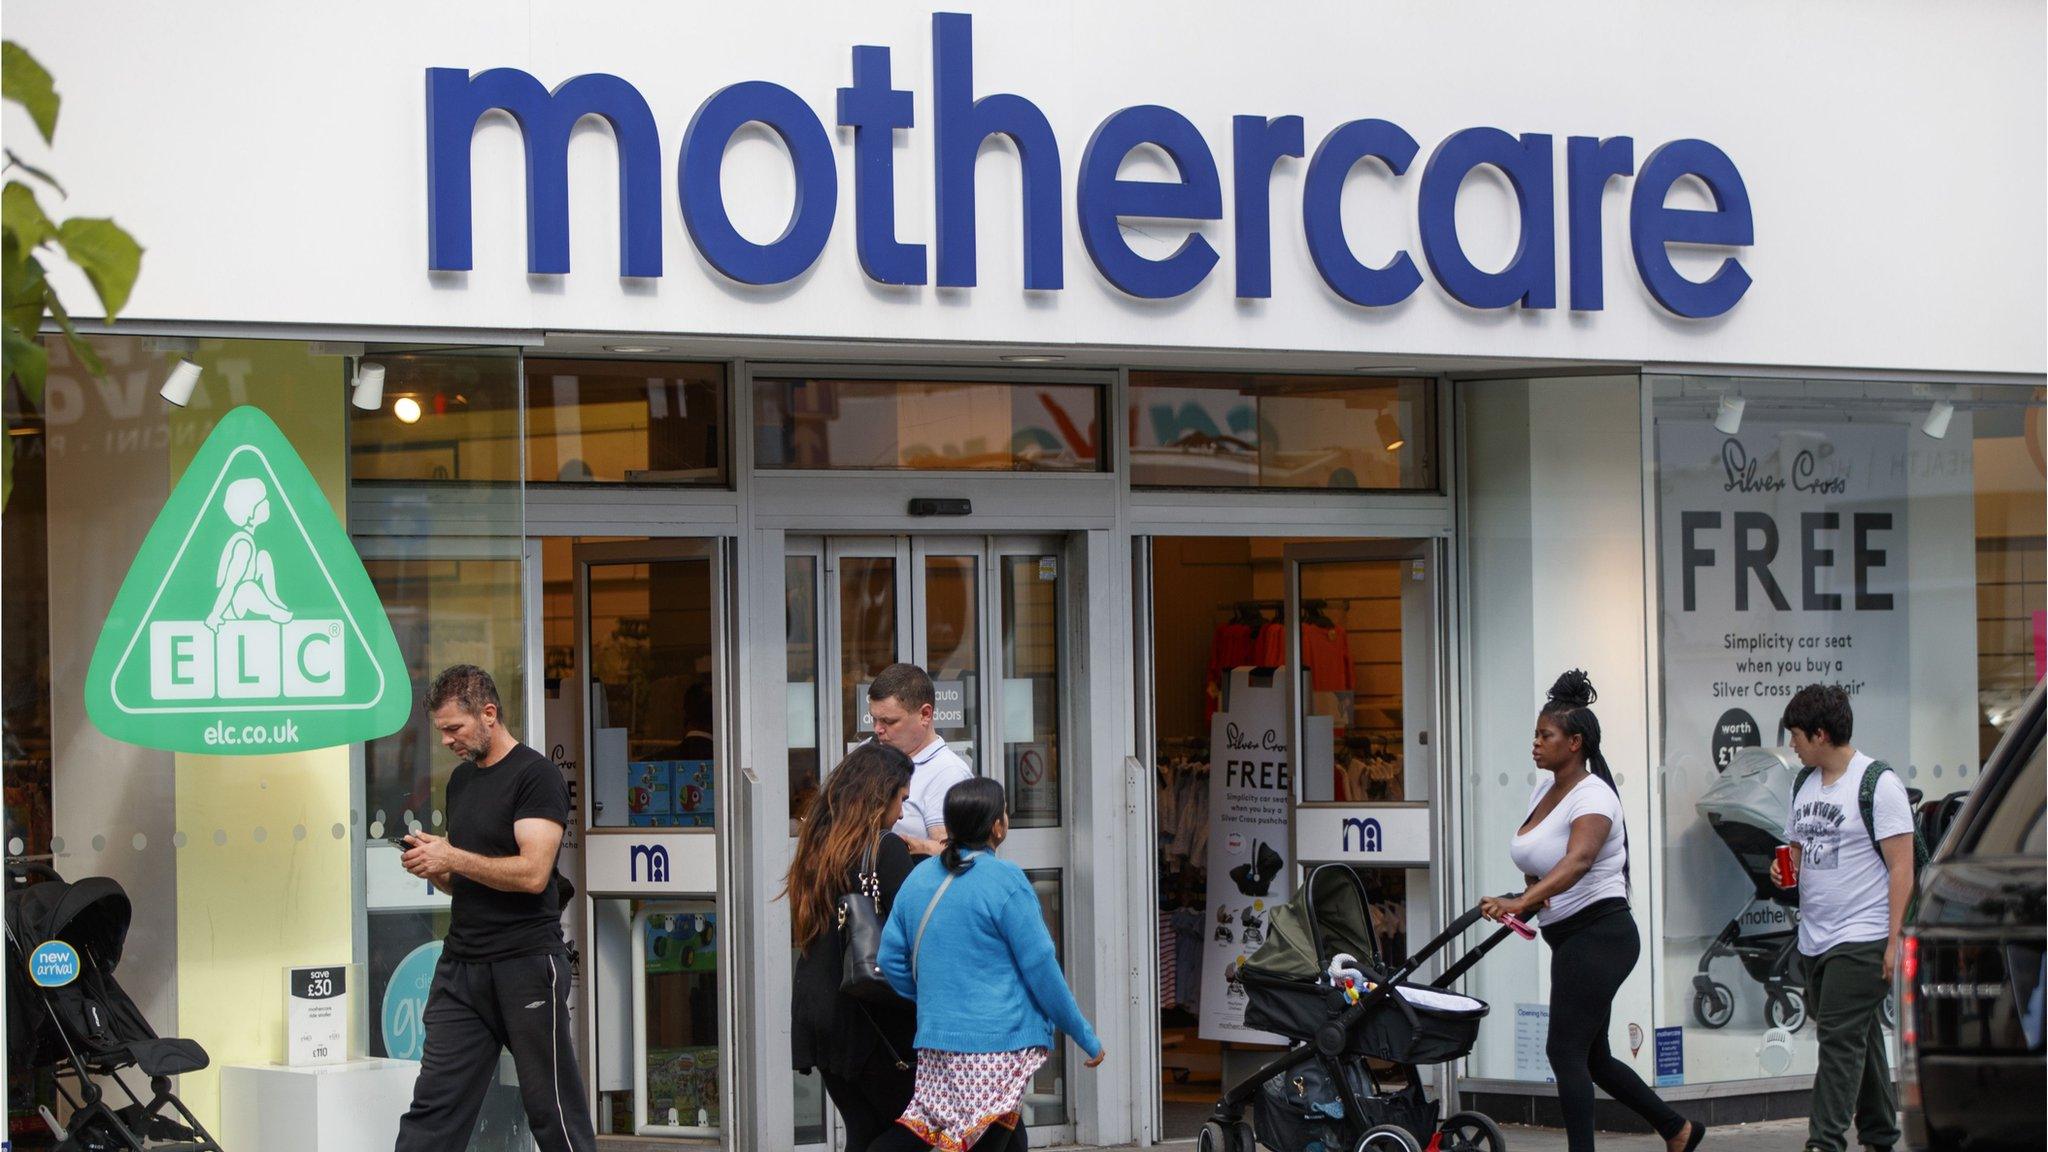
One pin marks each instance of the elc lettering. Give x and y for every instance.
(963, 118)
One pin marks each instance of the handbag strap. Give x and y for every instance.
(895, 1057)
(918, 944)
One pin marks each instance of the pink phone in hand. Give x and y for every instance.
(1521, 929)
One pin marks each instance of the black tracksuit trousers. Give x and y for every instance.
(473, 1011)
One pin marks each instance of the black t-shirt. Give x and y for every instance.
(483, 805)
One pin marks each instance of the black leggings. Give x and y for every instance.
(870, 1103)
(1591, 954)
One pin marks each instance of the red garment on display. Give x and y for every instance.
(1325, 652)
(1229, 647)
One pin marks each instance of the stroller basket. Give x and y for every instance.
(1416, 1026)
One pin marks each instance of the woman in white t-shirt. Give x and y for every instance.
(1573, 850)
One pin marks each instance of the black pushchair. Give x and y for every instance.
(86, 1029)
(1323, 1093)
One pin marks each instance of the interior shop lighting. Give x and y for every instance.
(636, 349)
(369, 387)
(406, 409)
(178, 386)
(1390, 431)
(1032, 358)
(1936, 423)
(1729, 418)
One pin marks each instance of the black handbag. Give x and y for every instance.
(860, 935)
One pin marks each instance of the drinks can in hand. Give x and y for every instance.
(1783, 868)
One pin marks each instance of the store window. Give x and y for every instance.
(234, 867)
(614, 421)
(442, 416)
(927, 425)
(1886, 537)
(1240, 430)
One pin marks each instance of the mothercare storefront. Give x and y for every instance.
(1243, 422)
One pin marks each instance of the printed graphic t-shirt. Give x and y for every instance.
(483, 805)
(1844, 888)
(936, 768)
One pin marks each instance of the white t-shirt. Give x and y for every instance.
(1844, 887)
(1538, 850)
(937, 769)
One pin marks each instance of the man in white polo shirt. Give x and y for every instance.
(900, 700)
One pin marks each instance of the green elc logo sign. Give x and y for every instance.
(246, 625)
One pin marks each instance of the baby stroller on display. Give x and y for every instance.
(1322, 1095)
(1746, 808)
(86, 1028)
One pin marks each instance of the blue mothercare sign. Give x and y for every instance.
(1670, 1056)
(405, 1002)
(53, 964)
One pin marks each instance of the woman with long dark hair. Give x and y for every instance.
(967, 941)
(1573, 850)
(863, 1053)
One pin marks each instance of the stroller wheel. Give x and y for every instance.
(1472, 1132)
(1714, 1005)
(1387, 1138)
(1891, 1012)
(1786, 1010)
(1217, 1136)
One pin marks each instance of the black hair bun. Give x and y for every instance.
(1574, 689)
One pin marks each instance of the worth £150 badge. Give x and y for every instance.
(246, 625)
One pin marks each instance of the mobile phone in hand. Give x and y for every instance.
(398, 840)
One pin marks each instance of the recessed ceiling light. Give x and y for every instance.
(636, 349)
(1033, 358)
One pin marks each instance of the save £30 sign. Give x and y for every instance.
(246, 625)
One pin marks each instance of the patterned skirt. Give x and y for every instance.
(959, 1095)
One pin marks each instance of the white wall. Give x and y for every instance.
(1554, 579)
(272, 159)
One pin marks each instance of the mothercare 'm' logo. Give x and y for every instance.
(1369, 834)
(247, 624)
(656, 858)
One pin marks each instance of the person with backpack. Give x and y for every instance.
(1853, 855)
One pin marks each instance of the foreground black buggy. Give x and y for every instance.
(87, 1030)
(1322, 1094)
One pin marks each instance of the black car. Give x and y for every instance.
(1975, 959)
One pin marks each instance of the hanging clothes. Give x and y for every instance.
(1230, 646)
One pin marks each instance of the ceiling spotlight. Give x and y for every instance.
(636, 349)
(1390, 431)
(406, 409)
(1729, 418)
(369, 388)
(1936, 423)
(1033, 358)
(178, 386)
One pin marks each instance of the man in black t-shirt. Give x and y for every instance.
(503, 978)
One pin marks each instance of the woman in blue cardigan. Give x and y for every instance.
(966, 941)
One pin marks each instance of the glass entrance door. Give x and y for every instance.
(987, 617)
(1293, 705)
(651, 659)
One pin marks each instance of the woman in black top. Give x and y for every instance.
(863, 1053)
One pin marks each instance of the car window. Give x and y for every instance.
(2019, 823)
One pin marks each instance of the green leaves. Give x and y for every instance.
(24, 81)
(109, 257)
(100, 248)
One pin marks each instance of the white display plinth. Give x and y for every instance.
(350, 1107)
